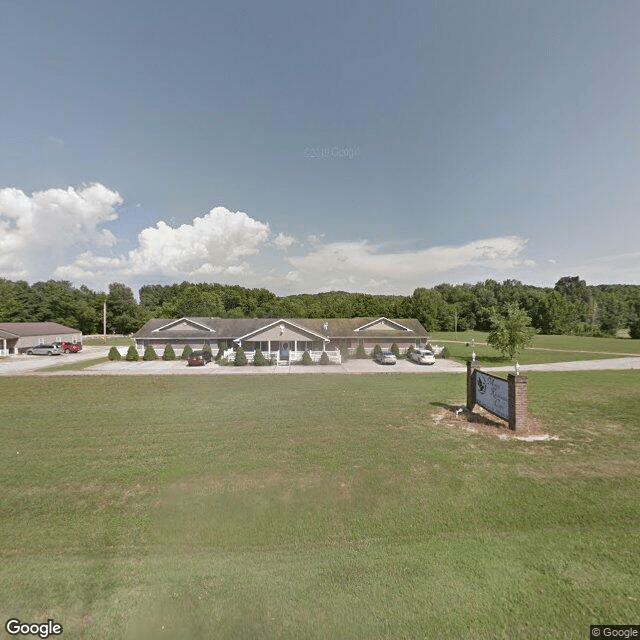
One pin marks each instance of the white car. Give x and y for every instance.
(422, 356)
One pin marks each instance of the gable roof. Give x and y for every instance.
(23, 329)
(291, 323)
(187, 321)
(233, 328)
(385, 322)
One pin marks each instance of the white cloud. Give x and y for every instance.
(284, 241)
(40, 231)
(362, 266)
(211, 245)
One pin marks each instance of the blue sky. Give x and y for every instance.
(361, 146)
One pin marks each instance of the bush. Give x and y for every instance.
(344, 353)
(376, 350)
(186, 352)
(114, 354)
(241, 359)
(132, 354)
(444, 354)
(222, 347)
(410, 350)
(306, 358)
(169, 353)
(395, 350)
(259, 359)
(324, 358)
(360, 352)
(206, 350)
(150, 354)
(634, 330)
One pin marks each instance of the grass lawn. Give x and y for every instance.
(316, 507)
(111, 341)
(75, 366)
(544, 349)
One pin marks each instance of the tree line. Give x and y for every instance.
(570, 307)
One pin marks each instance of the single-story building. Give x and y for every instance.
(284, 338)
(16, 337)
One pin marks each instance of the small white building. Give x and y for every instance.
(16, 337)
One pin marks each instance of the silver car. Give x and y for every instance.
(422, 356)
(44, 350)
(386, 357)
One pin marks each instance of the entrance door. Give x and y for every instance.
(284, 351)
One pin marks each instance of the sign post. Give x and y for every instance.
(506, 399)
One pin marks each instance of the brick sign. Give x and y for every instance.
(506, 399)
(493, 394)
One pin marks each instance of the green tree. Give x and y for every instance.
(186, 352)
(150, 353)
(324, 358)
(634, 329)
(395, 350)
(132, 354)
(259, 359)
(114, 354)
(306, 358)
(169, 353)
(241, 358)
(512, 331)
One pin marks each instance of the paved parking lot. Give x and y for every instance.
(179, 367)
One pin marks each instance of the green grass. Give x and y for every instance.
(315, 507)
(79, 365)
(117, 341)
(545, 349)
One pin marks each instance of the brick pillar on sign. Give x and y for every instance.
(472, 365)
(517, 401)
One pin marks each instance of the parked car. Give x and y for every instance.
(199, 358)
(44, 350)
(69, 347)
(422, 356)
(386, 357)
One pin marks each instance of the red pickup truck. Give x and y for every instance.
(70, 347)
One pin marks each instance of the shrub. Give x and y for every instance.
(306, 358)
(376, 350)
(150, 354)
(132, 354)
(395, 350)
(410, 350)
(186, 352)
(444, 354)
(206, 350)
(114, 354)
(360, 352)
(344, 353)
(634, 330)
(222, 347)
(259, 359)
(324, 358)
(169, 353)
(241, 359)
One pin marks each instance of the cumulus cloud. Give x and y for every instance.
(211, 245)
(284, 241)
(39, 231)
(361, 265)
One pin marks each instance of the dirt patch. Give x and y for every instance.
(481, 421)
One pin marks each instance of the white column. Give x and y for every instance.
(269, 347)
(295, 346)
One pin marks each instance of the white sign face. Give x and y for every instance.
(493, 394)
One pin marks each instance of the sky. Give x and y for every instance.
(306, 146)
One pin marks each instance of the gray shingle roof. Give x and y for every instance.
(231, 328)
(20, 329)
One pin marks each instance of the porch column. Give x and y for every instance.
(295, 346)
(269, 347)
